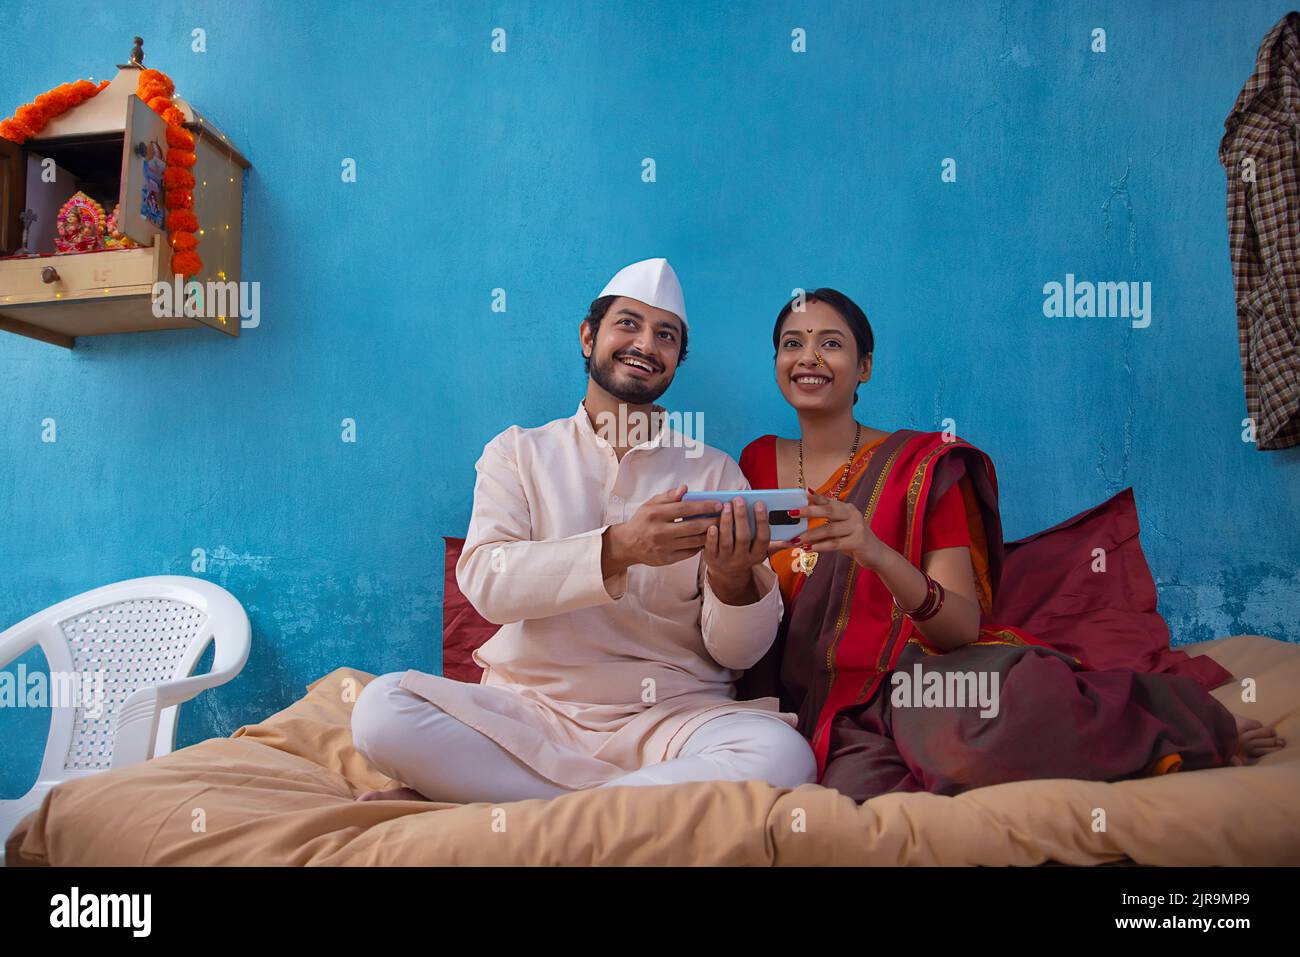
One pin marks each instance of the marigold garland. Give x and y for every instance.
(30, 118)
(182, 138)
(176, 178)
(156, 89)
(182, 221)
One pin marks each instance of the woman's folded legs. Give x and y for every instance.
(1052, 721)
(1057, 721)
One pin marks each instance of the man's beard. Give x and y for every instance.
(628, 390)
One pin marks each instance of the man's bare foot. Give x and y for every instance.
(1255, 740)
(394, 794)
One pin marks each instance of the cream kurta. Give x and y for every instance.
(599, 685)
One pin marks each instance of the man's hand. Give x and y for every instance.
(653, 536)
(731, 551)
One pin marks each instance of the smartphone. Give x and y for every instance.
(777, 501)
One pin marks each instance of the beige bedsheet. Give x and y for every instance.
(280, 792)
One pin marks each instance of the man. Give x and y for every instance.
(625, 620)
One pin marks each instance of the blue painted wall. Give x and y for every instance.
(523, 171)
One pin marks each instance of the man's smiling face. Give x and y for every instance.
(634, 353)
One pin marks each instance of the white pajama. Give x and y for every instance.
(410, 739)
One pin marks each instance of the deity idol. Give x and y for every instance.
(80, 225)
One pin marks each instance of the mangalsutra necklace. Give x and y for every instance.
(806, 561)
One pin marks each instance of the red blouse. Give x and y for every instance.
(945, 528)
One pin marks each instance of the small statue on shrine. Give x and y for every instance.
(114, 238)
(81, 225)
(26, 217)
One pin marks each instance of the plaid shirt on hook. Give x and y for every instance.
(1260, 152)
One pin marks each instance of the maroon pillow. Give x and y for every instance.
(463, 628)
(1106, 619)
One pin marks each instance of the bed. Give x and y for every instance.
(280, 792)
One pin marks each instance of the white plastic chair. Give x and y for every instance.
(145, 635)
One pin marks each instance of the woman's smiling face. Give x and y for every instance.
(807, 381)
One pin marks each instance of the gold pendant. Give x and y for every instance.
(803, 561)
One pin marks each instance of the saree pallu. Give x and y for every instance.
(842, 638)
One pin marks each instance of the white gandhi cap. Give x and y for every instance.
(651, 281)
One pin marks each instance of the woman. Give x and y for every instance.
(893, 582)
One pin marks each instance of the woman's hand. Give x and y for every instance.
(845, 531)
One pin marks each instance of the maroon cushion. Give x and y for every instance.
(463, 628)
(1106, 619)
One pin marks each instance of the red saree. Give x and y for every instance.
(842, 637)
